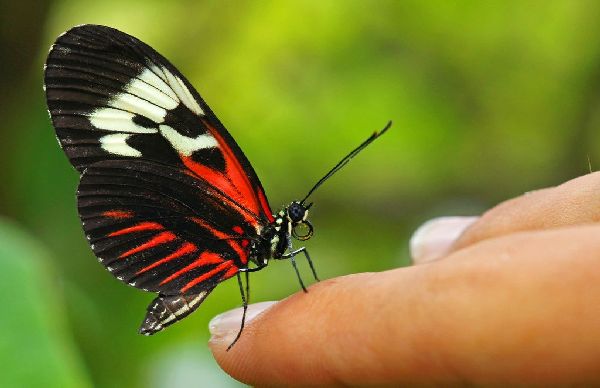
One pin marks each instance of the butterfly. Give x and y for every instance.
(168, 201)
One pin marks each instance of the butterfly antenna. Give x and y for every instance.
(347, 158)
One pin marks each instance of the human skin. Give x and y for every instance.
(515, 299)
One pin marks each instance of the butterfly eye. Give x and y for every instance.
(296, 212)
(302, 231)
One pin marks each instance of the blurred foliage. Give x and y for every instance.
(489, 100)
(36, 346)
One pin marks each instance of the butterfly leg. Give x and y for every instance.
(247, 275)
(298, 273)
(310, 263)
(290, 256)
(245, 297)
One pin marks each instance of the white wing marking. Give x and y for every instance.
(187, 145)
(116, 144)
(151, 94)
(149, 76)
(148, 92)
(178, 86)
(117, 120)
(133, 104)
(189, 100)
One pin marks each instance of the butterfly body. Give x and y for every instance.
(168, 201)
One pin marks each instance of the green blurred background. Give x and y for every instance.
(489, 100)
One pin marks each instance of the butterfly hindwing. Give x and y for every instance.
(159, 229)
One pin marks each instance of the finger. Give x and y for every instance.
(574, 202)
(527, 314)
(434, 238)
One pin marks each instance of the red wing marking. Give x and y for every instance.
(160, 238)
(218, 234)
(215, 178)
(183, 250)
(208, 274)
(235, 170)
(205, 258)
(220, 181)
(230, 272)
(265, 205)
(118, 214)
(234, 244)
(210, 258)
(234, 182)
(238, 229)
(138, 228)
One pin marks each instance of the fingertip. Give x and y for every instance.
(225, 327)
(435, 238)
(318, 337)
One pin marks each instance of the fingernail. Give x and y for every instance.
(433, 239)
(228, 324)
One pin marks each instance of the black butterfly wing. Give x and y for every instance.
(112, 97)
(168, 200)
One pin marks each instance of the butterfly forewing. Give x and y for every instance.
(112, 97)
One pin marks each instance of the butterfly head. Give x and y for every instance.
(297, 216)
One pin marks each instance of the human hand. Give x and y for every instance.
(514, 299)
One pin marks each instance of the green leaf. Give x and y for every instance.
(36, 348)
